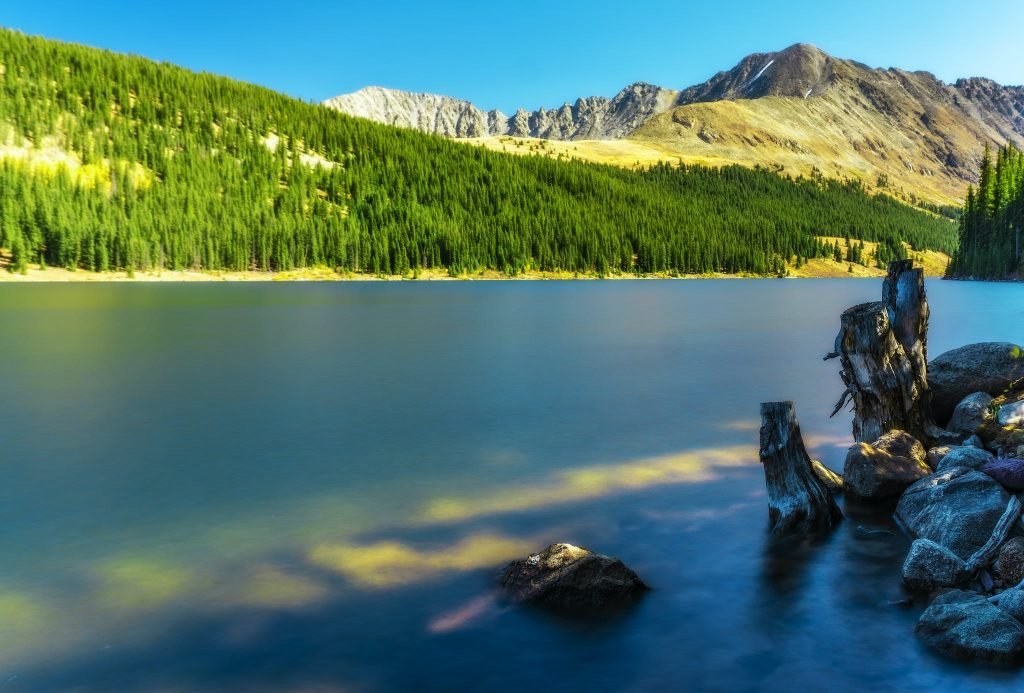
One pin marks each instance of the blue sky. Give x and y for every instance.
(505, 55)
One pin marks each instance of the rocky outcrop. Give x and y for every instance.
(1008, 471)
(885, 468)
(591, 118)
(990, 367)
(570, 578)
(964, 625)
(930, 566)
(957, 509)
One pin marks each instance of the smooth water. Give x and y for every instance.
(311, 486)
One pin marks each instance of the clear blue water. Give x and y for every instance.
(312, 486)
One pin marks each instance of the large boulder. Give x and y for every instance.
(568, 577)
(936, 454)
(958, 509)
(885, 468)
(974, 410)
(964, 625)
(988, 367)
(930, 566)
(965, 457)
(833, 481)
(1010, 563)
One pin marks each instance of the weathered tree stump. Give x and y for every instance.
(883, 351)
(798, 501)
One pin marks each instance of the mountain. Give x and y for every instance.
(114, 162)
(798, 110)
(594, 117)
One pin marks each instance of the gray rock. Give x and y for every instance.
(1012, 602)
(936, 454)
(957, 509)
(964, 458)
(988, 367)
(964, 625)
(930, 566)
(885, 468)
(970, 414)
(1010, 563)
(569, 577)
(833, 481)
(1012, 414)
(974, 442)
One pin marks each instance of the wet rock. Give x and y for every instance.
(964, 458)
(572, 578)
(964, 625)
(833, 481)
(1010, 563)
(988, 367)
(930, 566)
(1012, 414)
(1012, 602)
(885, 468)
(958, 509)
(970, 414)
(1008, 472)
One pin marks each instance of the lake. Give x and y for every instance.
(312, 486)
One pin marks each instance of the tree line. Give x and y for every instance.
(991, 246)
(125, 163)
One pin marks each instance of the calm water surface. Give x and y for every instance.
(310, 486)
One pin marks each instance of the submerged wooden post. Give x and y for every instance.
(884, 355)
(798, 501)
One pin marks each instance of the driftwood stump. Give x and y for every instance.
(884, 355)
(798, 501)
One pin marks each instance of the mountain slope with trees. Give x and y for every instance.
(116, 162)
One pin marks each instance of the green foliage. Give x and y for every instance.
(991, 246)
(196, 171)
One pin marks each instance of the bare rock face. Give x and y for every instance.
(963, 458)
(964, 625)
(885, 468)
(570, 578)
(991, 367)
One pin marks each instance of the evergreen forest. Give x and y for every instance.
(110, 161)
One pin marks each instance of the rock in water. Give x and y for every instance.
(1008, 472)
(970, 414)
(930, 566)
(964, 458)
(988, 367)
(958, 509)
(1010, 564)
(885, 468)
(570, 578)
(1012, 414)
(964, 625)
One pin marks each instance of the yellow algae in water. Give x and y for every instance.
(391, 563)
(271, 587)
(592, 482)
(140, 583)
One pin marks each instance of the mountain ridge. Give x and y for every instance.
(879, 124)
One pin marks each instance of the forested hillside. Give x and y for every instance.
(993, 217)
(110, 161)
